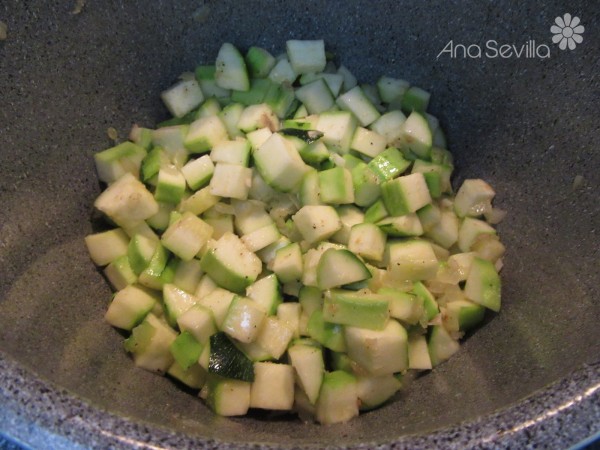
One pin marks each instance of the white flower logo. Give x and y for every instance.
(567, 32)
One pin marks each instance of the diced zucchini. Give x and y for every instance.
(198, 172)
(307, 360)
(407, 225)
(127, 202)
(113, 163)
(107, 246)
(187, 236)
(338, 398)
(204, 134)
(430, 305)
(470, 230)
(416, 135)
(441, 345)
(462, 315)
(355, 309)
(287, 263)
(279, 163)
(243, 320)
(259, 116)
(266, 293)
(367, 240)
(316, 96)
(317, 222)
(231, 152)
(389, 125)
(373, 391)
(231, 70)
(283, 72)
(357, 102)
(391, 89)
(273, 386)
(330, 335)
(306, 56)
(340, 267)
(402, 305)
(198, 321)
(227, 360)
(176, 302)
(119, 273)
(259, 62)
(368, 142)
(411, 260)
(388, 164)
(418, 353)
(415, 99)
(186, 350)
(473, 197)
(274, 336)
(483, 284)
(183, 97)
(381, 352)
(335, 186)
(230, 264)
(228, 397)
(231, 181)
(445, 232)
(149, 342)
(129, 307)
(217, 300)
(405, 194)
(338, 129)
(170, 186)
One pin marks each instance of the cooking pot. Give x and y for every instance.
(524, 117)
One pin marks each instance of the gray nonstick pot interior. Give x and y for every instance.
(527, 125)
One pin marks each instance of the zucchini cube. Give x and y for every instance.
(279, 163)
(183, 97)
(405, 194)
(204, 134)
(243, 320)
(199, 322)
(230, 264)
(230, 69)
(170, 186)
(389, 125)
(231, 152)
(198, 172)
(259, 62)
(338, 128)
(307, 360)
(335, 186)
(338, 398)
(273, 386)
(411, 260)
(129, 307)
(127, 202)
(317, 222)
(380, 352)
(113, 163)
(356, 309)
(107, 246)
(359, 104)
(306, 56)
(367, 240)
(228, 397)
(187, 236)
(368, 142)
(231, 181)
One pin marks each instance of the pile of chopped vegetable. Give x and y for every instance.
(290, 239)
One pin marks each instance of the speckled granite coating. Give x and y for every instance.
(529, 126)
